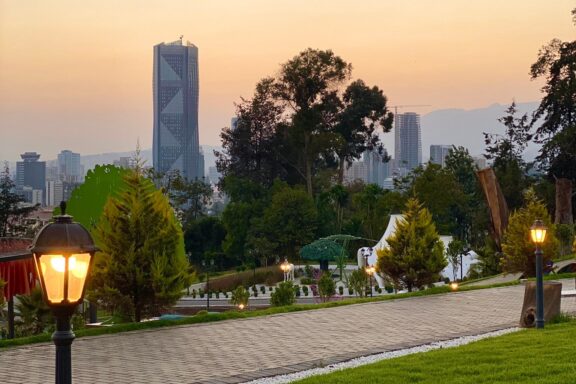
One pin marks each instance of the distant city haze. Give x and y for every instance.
(77, 75)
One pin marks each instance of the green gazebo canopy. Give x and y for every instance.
(322, 249)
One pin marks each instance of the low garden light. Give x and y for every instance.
(63, 253)
(285, 267)
(538, 235)
(454, 286)
(241, 306)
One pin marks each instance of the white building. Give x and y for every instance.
(54, 193)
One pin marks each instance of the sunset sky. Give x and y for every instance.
(78, 74)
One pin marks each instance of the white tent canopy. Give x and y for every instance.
(368, 254)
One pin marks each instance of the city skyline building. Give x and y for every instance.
(31, 177)
(376, 169)
(438, 154)
(175, 97)
(54, 192)
(69, 167)
(407, 141)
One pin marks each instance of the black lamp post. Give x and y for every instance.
(370, 270)
(538, 235)
(63, 253)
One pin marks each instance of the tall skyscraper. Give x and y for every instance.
(438, 154)
(407, 141)
(69, 167)
(31, 176)
(175, 86)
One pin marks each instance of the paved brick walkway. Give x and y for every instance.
(241, 350)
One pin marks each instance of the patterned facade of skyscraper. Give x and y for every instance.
(175, 93)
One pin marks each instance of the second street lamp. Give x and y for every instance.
(538, 235)
(370, 271)
(63, 253)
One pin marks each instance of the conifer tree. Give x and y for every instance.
(142, 268)
(415, 255)
(517, 248)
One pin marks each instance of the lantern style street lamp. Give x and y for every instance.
(63, 253)
(370, 271)
(538, 235)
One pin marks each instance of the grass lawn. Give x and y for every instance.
(528, 356)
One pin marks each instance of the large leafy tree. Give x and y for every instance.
(253, 148)
(363, 111)
(366, 203)
(205, 236)
(291, 220)
(438, 189)
(472, 220)
(142, 268)
(505, 151)
(307, 85)
(414, 257)
(302, 124)
(12, 208)
(518, 249)
(87, 201)
(556, 114)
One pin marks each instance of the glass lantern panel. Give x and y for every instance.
(78, 269)
(53, 271)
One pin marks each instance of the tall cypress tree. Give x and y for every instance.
(142, 268)
(415, 255)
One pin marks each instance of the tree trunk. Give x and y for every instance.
(496, 204)
(341, 171)
(563, 214)
(308, 164)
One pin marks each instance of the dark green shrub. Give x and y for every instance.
(269, 276)
(389, 288)
(341, 290)
(326, 287)
(194, 293)
(305, 290)
(283, 295)
(270, 289)
(307, 280)
(239, 296)
(297, 290)
(263, 289)
(358, 281)
(309, 271)
(350, 290)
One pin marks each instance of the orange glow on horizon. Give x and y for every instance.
(81, 73)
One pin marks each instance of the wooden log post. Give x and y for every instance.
(563, 214)
(496, 204)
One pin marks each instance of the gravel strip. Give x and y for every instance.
(378, 357)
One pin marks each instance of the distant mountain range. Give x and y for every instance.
(90, 161)
(445, 126)
(465, 127)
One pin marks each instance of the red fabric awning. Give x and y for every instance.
(19, 273)
(20, 277)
